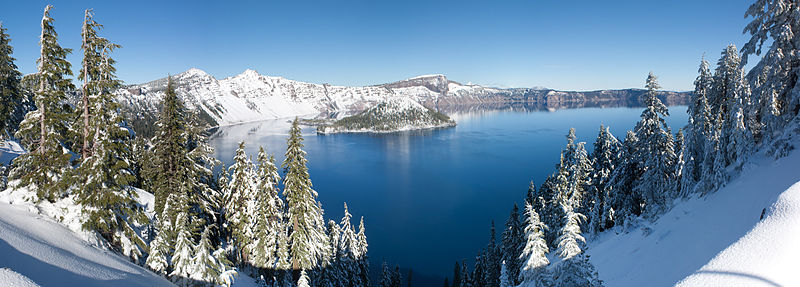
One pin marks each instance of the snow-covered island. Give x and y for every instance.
(391, 115)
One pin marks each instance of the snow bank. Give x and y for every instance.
(49, 254)
(718, 240)
(13, 279)
(767, 256)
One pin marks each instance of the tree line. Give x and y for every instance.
(733, 114)
(206, 227)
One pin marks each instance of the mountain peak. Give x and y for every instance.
(193, 72)
(436, 83)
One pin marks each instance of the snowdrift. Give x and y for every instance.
(37, 250)
(745, 234)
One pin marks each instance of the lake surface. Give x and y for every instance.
(428, 198)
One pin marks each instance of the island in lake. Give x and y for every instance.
(391, 115)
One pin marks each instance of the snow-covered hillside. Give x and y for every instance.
(34, 249)
(390, 115)
(745, 234)
(249, 96)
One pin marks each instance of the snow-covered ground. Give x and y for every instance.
(36, 249)
(717, 240)
(9, 150)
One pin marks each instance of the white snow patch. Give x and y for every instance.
(52, 255)
(717, 240)
(13, 279)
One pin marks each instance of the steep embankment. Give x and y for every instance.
(717, 240)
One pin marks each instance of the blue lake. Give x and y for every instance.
(428, 198)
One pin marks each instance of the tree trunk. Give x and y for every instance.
(42, 117)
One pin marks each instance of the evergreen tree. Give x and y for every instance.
(10, 91)
(362, 261)
(775, 76)
(206, 265)
(182, 257)
(513, 243)
(457, 275)
(172, 166)
(158, 259)
(656, 152)
(106, 175)
(535, 251)
(698, 129)
(504, 281)
(397, 277)
(303, 281)
(532, 194)
(491, 275)
(386, 276)
(465, 279)
(625, 199)
(347, 250)
(307, 238)
(574, 268)
(604, 158)
(42, 131)
(447, 284)
(731, 100)
(237, 208)
(269, 212)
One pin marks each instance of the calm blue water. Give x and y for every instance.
(428, 198)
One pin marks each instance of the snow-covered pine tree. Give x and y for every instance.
(332, 275)
(625, 200)
(158, 260)
(362, 260)
(577, 167)
(466, 280)
(171, 166)
(731, 100)
(397, 277)
(656, 150)
(504, 282)
(347, 250)
(43, 131)
(183, 265)
(697, 130)
(269, 212)
(604, 158)
(386, 276)
(533, 272)
(775, 77)
(532, 195)
(237, 207)
(105, 175)
(513, 242)
(457, 275)
(307, 237)
(550, 210)
(10, 91)
(479, 272)
(680, 163)
(574, 269)
(303, 281)
(492, 254)
(93, 46)
(206, 267)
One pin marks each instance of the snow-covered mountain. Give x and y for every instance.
(250, 96)
(390, 115)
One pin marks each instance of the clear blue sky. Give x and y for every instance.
(568, 45)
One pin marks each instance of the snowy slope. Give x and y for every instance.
(718, 240)
(49, 254)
